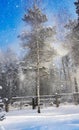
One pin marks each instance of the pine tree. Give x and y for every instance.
(73, 37)
(40, 51)
(9, 74)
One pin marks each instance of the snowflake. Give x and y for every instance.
(17, 6)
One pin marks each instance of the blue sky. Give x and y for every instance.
(12, 11)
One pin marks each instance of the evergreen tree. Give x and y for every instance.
(73, 40)
(9, 74)
(40, 51)
(73, 37)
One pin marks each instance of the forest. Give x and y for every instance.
(49, 62)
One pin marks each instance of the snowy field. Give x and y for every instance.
(62, 118)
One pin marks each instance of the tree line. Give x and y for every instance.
(37, 71)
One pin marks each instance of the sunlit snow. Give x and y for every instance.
(52, 118)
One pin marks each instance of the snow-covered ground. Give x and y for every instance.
(65, 117)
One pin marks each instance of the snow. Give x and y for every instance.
(65, 117)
